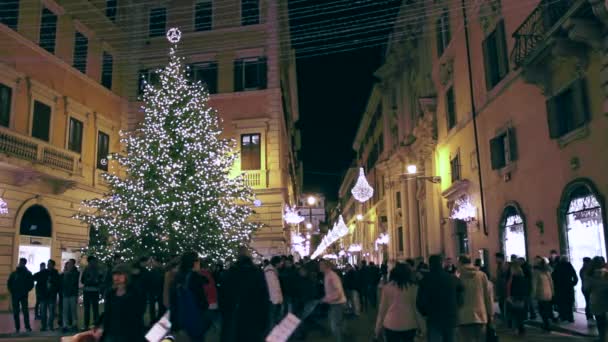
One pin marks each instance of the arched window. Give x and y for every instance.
(513, 237)
(36, 221)
(582, 224)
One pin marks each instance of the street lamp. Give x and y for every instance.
(308, 225)
(359, 217)
(311, 200)
(412, 169)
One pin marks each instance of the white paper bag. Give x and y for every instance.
(282, 331)
(160, 329)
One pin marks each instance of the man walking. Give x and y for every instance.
(334, 296)
(51, 283)
(19, 284)
(477, 309)
(438, 300)
(69, 288)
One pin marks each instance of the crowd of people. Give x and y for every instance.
(434, 301)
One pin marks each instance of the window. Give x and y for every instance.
(495, 57)
(398, 199)
(251, 152)
(250, 12)
(250, 74)
(158, 22)
(48, 30)
(6, 97)
(75, 136)
(400, 239)
(41, 122)
(103, 149)
(455, 168)
(81, 44)
(106, 70)
(443, 32)
(148, 75)
(111, 9)
(450, 108)
(568, 110)
(503, 149)
(203, 15)
(9, 13)
(205, 73)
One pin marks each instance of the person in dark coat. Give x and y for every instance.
(564, 280)
(440, 295)
(69, 288)
(518, 292)
(19, 284)
(188, 276)
(39, 288)
(51, 279)
(154, 285)
(244, 302)
(363, 285)
(92, 280)
(123, 315)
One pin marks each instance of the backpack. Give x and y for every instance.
(191, 318)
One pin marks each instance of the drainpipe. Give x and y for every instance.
(474, 113)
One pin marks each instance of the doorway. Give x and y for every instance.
(583, 224)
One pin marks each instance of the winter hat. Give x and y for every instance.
(122, 269)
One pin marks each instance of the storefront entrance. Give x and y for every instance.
(583, 224)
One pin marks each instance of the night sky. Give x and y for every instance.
(339, 44)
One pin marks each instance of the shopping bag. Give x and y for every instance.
(160, 329)
(282, 331)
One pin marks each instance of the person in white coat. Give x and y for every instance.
(398, 316)
(274, 290)
(476, 312)
(542, 290)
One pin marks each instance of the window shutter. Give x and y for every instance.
(501, 47)
(553, 119)
(497, 153)
(580, 101)
(238, 75)
(487, 63)
(512, 138)
(262, 73)
(439, 38)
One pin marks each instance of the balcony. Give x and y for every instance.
(256, 179)
(37, 152)
(548, 22)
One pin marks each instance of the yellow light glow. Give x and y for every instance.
(311, 200)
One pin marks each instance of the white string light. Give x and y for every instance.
(463, 210)
(362, 191)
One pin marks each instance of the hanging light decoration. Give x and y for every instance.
(362, 191)
(463, 210)
(355, 247)
(339, 230)
(291, 216)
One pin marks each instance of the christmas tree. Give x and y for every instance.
(176, 193)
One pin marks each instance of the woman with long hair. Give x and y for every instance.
(518, 293)
(397, 315)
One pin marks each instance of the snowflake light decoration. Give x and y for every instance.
(291, 216)
(3, 207)
(362, 191)
(174, 35)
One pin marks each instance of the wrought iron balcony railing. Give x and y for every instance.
(539, 25)
(29, 149)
